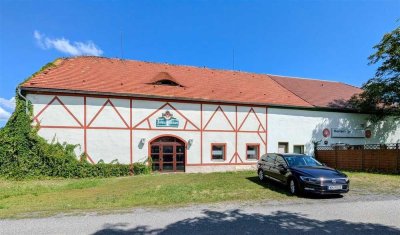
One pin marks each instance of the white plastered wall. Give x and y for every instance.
(108, 132)
(56, 115)
(302, 127)
(219, 124)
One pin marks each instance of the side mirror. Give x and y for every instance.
(282, 168)
(324, 164)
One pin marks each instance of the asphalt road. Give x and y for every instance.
(327, 216)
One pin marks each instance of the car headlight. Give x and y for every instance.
(310, 179)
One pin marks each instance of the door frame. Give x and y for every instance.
(168, 135)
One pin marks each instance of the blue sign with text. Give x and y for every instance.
(167, 120)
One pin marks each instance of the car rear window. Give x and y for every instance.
(271, 158)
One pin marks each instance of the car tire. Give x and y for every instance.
(294, 188)
(261, 175)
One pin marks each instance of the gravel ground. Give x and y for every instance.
(334, 215)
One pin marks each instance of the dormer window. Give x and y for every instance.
(166, 82)
(165, 79)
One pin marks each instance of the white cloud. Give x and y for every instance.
(6, 108)
(4, 115)
(65, 46)
(8, 104)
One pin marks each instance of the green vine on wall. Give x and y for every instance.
(24, 154)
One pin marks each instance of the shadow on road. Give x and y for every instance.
(236, 222)
(277, 187)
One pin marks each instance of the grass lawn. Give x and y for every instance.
(48, 197)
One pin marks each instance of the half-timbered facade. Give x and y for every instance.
(182, 118)
(131, 130)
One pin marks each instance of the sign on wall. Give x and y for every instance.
(347, 133)
(326, 132)
(167, 120)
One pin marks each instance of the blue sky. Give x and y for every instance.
(328, 40)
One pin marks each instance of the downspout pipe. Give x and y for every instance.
(24, 98)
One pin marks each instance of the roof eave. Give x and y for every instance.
(199, 100)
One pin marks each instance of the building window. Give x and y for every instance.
(298, 149)
(218, 151)
(252, 151)
(283, 147)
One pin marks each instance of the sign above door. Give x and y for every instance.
(167, 120)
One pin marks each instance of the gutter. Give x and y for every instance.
(198, 100)
(24, 98)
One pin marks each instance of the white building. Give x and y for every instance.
(188, 118)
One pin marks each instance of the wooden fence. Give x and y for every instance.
(371, 157)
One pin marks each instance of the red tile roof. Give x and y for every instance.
(128, 77)
(317, 92)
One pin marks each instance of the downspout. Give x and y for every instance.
(24, 98)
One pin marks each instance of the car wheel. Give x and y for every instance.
(293, 187)
(261, 175)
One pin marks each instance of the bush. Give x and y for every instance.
(24, 154)
(141, 168)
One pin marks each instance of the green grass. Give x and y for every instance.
(48, 197)
(374, 183)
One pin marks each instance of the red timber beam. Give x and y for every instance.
(36, 117)
(108, 101)
(147, 119)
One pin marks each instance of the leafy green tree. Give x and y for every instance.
(381, 95)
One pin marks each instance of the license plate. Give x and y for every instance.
(334, 187)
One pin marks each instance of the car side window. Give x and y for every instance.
(280, 160)
(271, 158)
(263, 157)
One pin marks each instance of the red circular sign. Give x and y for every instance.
(326, 132)
(368, 133)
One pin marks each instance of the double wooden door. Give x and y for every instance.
(168, 155)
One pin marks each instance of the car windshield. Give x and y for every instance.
(302, 161)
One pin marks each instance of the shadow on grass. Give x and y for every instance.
(277, 187)
(270, 184)
(237, 222)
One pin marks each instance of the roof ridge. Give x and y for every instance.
(289, 90)
(199, 67)
(350, 85)
(312, 79)
(315, 79)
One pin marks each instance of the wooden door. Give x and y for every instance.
(168, 155)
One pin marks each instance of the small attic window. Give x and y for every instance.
(166, 82)
(165, 79)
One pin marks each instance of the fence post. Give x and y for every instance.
(336, 157)
(398, 157)
(315, 151)
(362, 157)
(379, 157)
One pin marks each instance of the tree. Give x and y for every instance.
(381, 95)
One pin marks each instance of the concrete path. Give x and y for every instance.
(377, 216)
